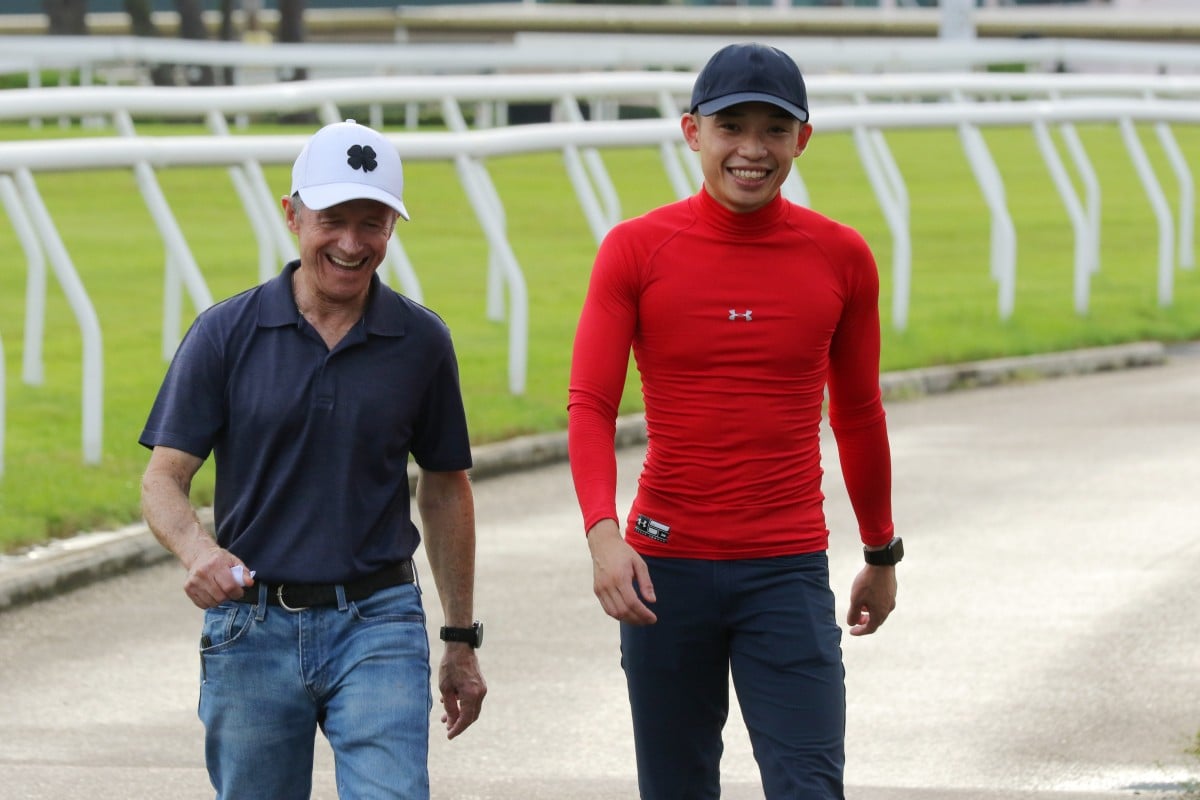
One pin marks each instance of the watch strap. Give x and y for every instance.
(888, 556)
(472, 635)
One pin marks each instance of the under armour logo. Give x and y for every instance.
(652, 529)
(361, 157)
(735, 315)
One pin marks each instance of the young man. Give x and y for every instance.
(311, 391)
(740, 307)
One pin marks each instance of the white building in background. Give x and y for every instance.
(1155, 5)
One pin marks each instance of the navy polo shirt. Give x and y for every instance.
(312, 446)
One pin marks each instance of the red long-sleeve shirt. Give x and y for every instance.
(737, 322)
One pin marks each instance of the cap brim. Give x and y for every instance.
(721, 103)
(330, 194)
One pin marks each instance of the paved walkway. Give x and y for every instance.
(1045, 645)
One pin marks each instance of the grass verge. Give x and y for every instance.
(47, 491)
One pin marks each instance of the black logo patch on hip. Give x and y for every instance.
(651, 529)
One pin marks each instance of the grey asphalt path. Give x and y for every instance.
(1045, 646)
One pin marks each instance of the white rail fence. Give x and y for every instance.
(865, 106)
(106, 59)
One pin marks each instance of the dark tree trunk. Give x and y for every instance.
(291, 20)
(67, 17)
(227, 32)
(291, 29)
(140, 21)
(227, 35)
(191, 26)
(191, 19)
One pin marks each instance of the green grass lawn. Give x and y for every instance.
(47, 491)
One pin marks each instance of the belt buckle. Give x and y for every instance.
(283, 604)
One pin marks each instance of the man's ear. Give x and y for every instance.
(289, 213)
(806, 132)
(690, 125)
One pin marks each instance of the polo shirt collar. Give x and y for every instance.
(385, 312)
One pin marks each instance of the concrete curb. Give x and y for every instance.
(71, 563)
(973, 374)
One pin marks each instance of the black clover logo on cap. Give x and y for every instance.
(361, 157)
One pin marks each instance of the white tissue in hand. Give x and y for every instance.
(239, 574)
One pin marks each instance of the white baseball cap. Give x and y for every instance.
(347, 161)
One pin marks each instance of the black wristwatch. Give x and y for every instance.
(472, 635)
(888, 556)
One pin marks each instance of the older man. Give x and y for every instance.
(311, 391)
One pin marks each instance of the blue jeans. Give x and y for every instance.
(772, 622)
(359, 671)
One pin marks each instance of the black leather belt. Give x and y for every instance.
(297, 596)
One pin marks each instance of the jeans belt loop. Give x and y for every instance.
(261, 610)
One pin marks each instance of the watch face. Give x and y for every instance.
(888, 556)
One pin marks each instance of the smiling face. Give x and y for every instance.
(341, 247)
(746, 152)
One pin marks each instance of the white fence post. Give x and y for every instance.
(1091, 193)
(1093, 99)
(178, 255)
(889, 189)
(85, 314)
(681, 164)
(1075, 211)
(1187, 194)
(1002, 263)
(1162, 211)
(589, 177)
(490, 211)
(271, 234)
(32, 366)
(3, 411)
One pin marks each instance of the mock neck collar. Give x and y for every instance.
(758, 221)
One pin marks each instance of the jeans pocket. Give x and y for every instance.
(393, 604)
(224, 625)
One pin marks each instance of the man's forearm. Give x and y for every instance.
(168, 511)
(448, 513)
(866, 462)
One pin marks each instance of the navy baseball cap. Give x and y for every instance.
(743, 73)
